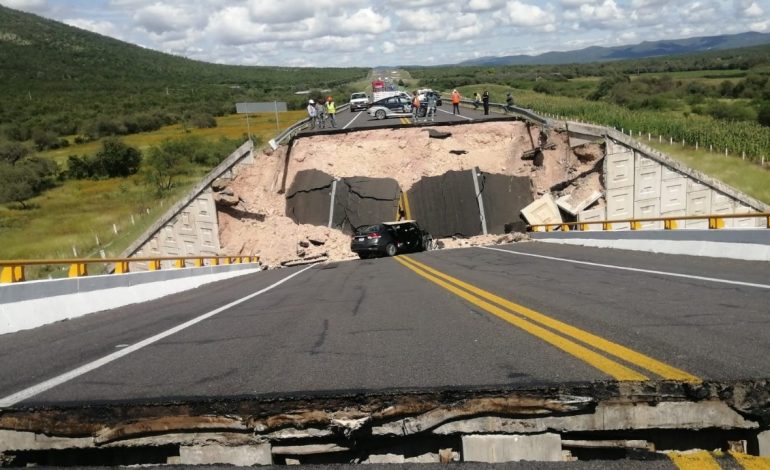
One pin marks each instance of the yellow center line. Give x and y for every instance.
(701, 460)
(604, 364)
(750, 462)
(663, 370)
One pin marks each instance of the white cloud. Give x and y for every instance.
(368, 32)
(526, 15)
(26, 5)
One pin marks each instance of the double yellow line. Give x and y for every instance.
(557, 333)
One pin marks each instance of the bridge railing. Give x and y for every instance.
(14, 270)
(715, 221)
(295, 128)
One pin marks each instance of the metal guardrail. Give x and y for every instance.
(716, 221)
(295, 128)
(13, 270)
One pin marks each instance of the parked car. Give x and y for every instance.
(394, 106)
(358, 101)
(390, 238)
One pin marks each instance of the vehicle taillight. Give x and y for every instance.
(372, 236)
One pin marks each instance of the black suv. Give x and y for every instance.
(390, 238)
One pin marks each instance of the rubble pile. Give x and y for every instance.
(251, 207)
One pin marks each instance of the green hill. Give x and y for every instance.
(59, 80)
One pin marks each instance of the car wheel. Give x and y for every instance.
(427, 243)
(390, 249)
(380, 114)
(363, 255)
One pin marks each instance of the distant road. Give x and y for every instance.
(518, 315)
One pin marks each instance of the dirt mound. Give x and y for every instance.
(258, 224)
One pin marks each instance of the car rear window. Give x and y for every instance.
(371, 229)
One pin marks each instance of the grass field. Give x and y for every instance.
(76, 213)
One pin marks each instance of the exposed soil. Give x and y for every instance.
(258, 224)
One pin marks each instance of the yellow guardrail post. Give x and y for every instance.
(198, 262)
(226, 260)
(214, 261)
(670, 224)
(11, 274)
(548, 228)
(716, 222)
(153, 265)
(179, 263)
(636, 225)
(78, 270)
(606, 226)
(583, 227)
(565, 228)
(121, 267)
(768, 221)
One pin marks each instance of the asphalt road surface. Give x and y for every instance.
(360, 119)
(515, 315)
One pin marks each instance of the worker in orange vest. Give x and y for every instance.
(455, 102)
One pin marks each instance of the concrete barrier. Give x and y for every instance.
(32, 304)
(747, 244)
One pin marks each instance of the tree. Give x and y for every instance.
(25, 179)
(164, 163)
(12, 152)
(116, 159)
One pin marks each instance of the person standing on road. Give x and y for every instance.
(415, 106)
(509, 101)
(485, 100)
(455, 101)
(311, 113)
(431, 110)
(331, 110)
(476, 100)
(320, 112)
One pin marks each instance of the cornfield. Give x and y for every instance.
(735, 137)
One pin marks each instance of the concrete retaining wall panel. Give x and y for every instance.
(593, 215)
(673, 194)
(620, 170)
(698, 203)
(620, 205)
(648, 208)
(694, 185)
(670, 173)
(647, 179)
(721, 203)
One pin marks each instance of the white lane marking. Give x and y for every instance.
(458, 115)
(30, 392)
(351, 121)
(638, 270)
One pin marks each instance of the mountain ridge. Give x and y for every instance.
(644, 49)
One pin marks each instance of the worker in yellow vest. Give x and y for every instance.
(331, 110)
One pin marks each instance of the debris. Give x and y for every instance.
(306, 260)
(316, 242)
(588, 152)
(574, 203)
(434, 134)
(458, 152)
(226, 200)
(304, 244)
(220, 184)
(517, 226)
(542, 211)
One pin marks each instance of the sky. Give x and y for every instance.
(394, 32)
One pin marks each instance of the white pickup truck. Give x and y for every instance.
(358, 101)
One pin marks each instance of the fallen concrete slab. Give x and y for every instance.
(542, 211)
(574, 204)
